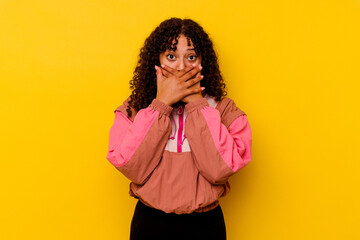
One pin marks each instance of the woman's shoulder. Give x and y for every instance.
(224, 104)
(227, 107)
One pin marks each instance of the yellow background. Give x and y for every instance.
(292, 66)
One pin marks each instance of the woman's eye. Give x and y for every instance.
(171, 56)
(192, 57)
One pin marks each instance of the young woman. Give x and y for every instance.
(177, 137)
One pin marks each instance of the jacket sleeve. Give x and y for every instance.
(219, 151)
(136, 148)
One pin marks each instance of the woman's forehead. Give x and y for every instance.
(185, 40)
(189, 41)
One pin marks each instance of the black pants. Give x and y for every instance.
(150, 223)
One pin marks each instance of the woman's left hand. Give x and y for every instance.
(191, 97)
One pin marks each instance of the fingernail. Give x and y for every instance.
(193, 65)
(162, 65)
(200, 67)
(202, 88)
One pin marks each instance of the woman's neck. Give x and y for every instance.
(177, 104)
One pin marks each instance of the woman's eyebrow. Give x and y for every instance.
(189, 49)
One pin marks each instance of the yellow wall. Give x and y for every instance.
(292, 66)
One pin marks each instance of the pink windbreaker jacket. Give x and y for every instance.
(179, 159)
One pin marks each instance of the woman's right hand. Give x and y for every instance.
(174, 88)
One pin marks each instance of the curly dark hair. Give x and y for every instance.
(143, 83)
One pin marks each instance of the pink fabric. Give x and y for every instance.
(121, 151)
(179, 140)
(136, 146)
(180, 182)
(234, 144)
(218, 151)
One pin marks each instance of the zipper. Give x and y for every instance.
(180, 112)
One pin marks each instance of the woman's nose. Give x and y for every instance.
(181, 65)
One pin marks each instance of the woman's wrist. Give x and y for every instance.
(192, 98)
(164, 101)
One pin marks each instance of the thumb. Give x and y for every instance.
(156, 69)
(162, 75)
(158, 72)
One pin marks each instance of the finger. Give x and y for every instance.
(162, 73)
(156, 70)
(186, 70)
(159, 73)
(192, 91)
(197, 75)
(192, 72)
(194, 81)
(166, 73)
(176, 72)
(169, 69)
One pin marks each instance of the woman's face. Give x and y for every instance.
(183, 56)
